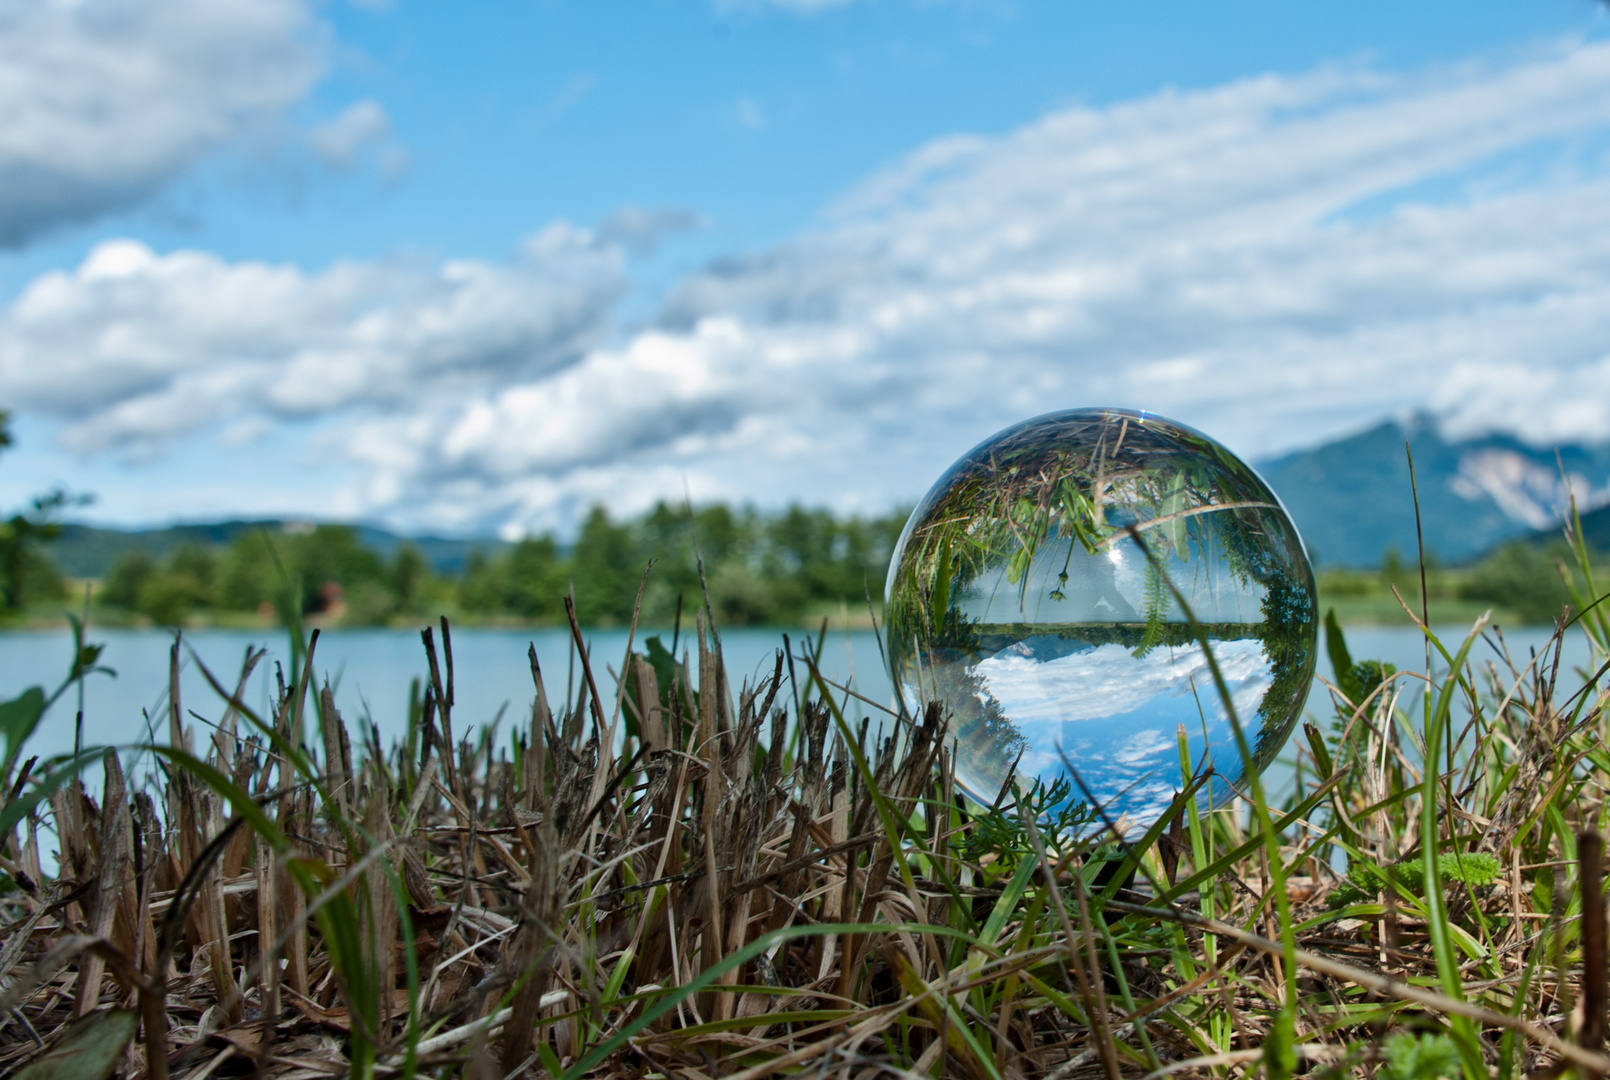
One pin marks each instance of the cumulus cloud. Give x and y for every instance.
(101, 101)
(134, 349)
(1259, 259)
(1110, 681)
(1249, 258)
(1193, 253)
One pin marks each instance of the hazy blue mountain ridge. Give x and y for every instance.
(1595, 528)
(86, 551)
(1352, 501)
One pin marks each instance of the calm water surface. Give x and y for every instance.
(371, 671)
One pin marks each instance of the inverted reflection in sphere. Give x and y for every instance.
(1019, 598)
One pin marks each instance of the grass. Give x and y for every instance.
(657, 873)
(1370, 598)
(1381, 608)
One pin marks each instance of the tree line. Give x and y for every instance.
(760, 568)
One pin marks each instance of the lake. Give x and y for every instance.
(371, 670)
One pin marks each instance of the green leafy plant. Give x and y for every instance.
(1425, 1056)
(1062, 821)
(1356, 680)
(1366, 880)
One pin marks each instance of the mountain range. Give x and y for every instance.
(87, 551)
(1353, 502)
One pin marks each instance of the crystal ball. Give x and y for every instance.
(1040, 593)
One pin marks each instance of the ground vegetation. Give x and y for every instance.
(657, 873)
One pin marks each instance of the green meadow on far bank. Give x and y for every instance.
(1520, 583)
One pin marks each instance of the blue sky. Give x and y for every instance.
(470, 268)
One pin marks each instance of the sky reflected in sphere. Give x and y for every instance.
(1033, 592)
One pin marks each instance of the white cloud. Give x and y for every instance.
(101, 101)
(134, 349)
(345, 137)
(1192, 253)
(1253, 259)
(1115, 716)
(1109, 681)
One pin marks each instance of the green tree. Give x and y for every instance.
(605, 566)
(828, 559)
(1393, 571)
(331, 560)
(168, 598)
(482, 586)
(325, 564)
(165, 593)
(724, 535)
(248, 576)
(26, 573)
(121, 587)
(1522, 578)
(40, 578)
(741, 598)
(408, 575)
(760, 569)
(198, 566)
(534, 579)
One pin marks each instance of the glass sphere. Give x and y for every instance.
(1030, 594)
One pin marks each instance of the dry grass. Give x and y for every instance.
(750, 886)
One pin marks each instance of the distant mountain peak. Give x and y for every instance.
(89, 551)
(1352, 502)
(1526, 490)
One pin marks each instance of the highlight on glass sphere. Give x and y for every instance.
(1020, 599)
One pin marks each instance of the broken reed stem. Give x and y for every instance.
(1590, 861)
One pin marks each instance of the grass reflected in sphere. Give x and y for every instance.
(1031, 594)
